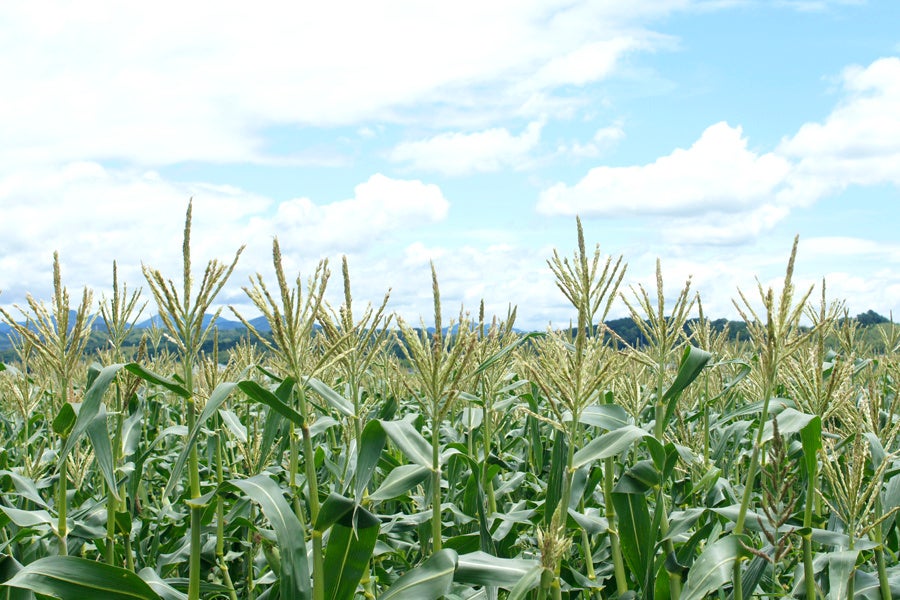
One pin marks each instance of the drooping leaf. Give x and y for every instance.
(429, 581)
(294, 576)
(350, 546)
(400, 480)
(75, 578)
(160, 585)
(371, 445)
(841, 565)
(338, 402)
(151, 377)
(714, 567)
(480, 568)
(260, 394)
(410, 442)
(216, 398)
(693, 360)
(608, 445)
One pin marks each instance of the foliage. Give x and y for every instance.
(669, 456)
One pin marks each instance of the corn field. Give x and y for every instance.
(350, 454)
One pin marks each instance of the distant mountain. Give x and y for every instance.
(222, 323)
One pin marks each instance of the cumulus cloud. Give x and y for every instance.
(93, 215)
(718, 172)
(462, 153)
(134, 82)
(857, 144)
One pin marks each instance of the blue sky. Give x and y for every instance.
(706, 133)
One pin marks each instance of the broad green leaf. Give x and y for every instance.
(480, 568)
(692, 362)
(371, 445)
(354, 531)
(400, 480)
(634, 530)
(160, 585)
(98, 433)
(25, 487)
(90, 407)
(233, 423)
(606, 416)
(294, 576)
(811, 439)
(338, 509)
(29, 518)
(609, 444)
(9, 566)
(156, 379)
(429, 581)
(260, 394)
(216, 398)
(64, 421)
(411, 443)
(529, 581)
(347, 559)
(714, 568)
(789, 421)
(841, 565)
(556, 476)
(338, 402)
(74, 578)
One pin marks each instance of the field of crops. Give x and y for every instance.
(478, 463)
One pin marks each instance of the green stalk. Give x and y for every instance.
(614, 545)
(61, 505)
(808, 572)
(436, 525)
(659, 434)
(883, 583)
(194, 562)
(750, 482)
(313, 495)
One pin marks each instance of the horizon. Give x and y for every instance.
(705, 133)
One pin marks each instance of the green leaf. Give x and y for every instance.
(218, 396)
(606, 416)
(294, 577)
(529, 581)
(260, 394)
(98, 433)
(371, 445)
(790, 421)
(349, 549)
(64, 421)
(714, 567)
(634, 530)
(90, 407)
(9, 566)
(74, 578)
(338, 402)
(399, 481)
(160, 585)
(156, 379)
(411, 443)
(480, 568)
(608, 445)
(841, 565)
(692, 362)
(429, 581)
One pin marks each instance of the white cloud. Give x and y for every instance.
(462, 153)
(857, 144)
(167, 82)
(94, 215)
(602, 141)
(718, 172)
